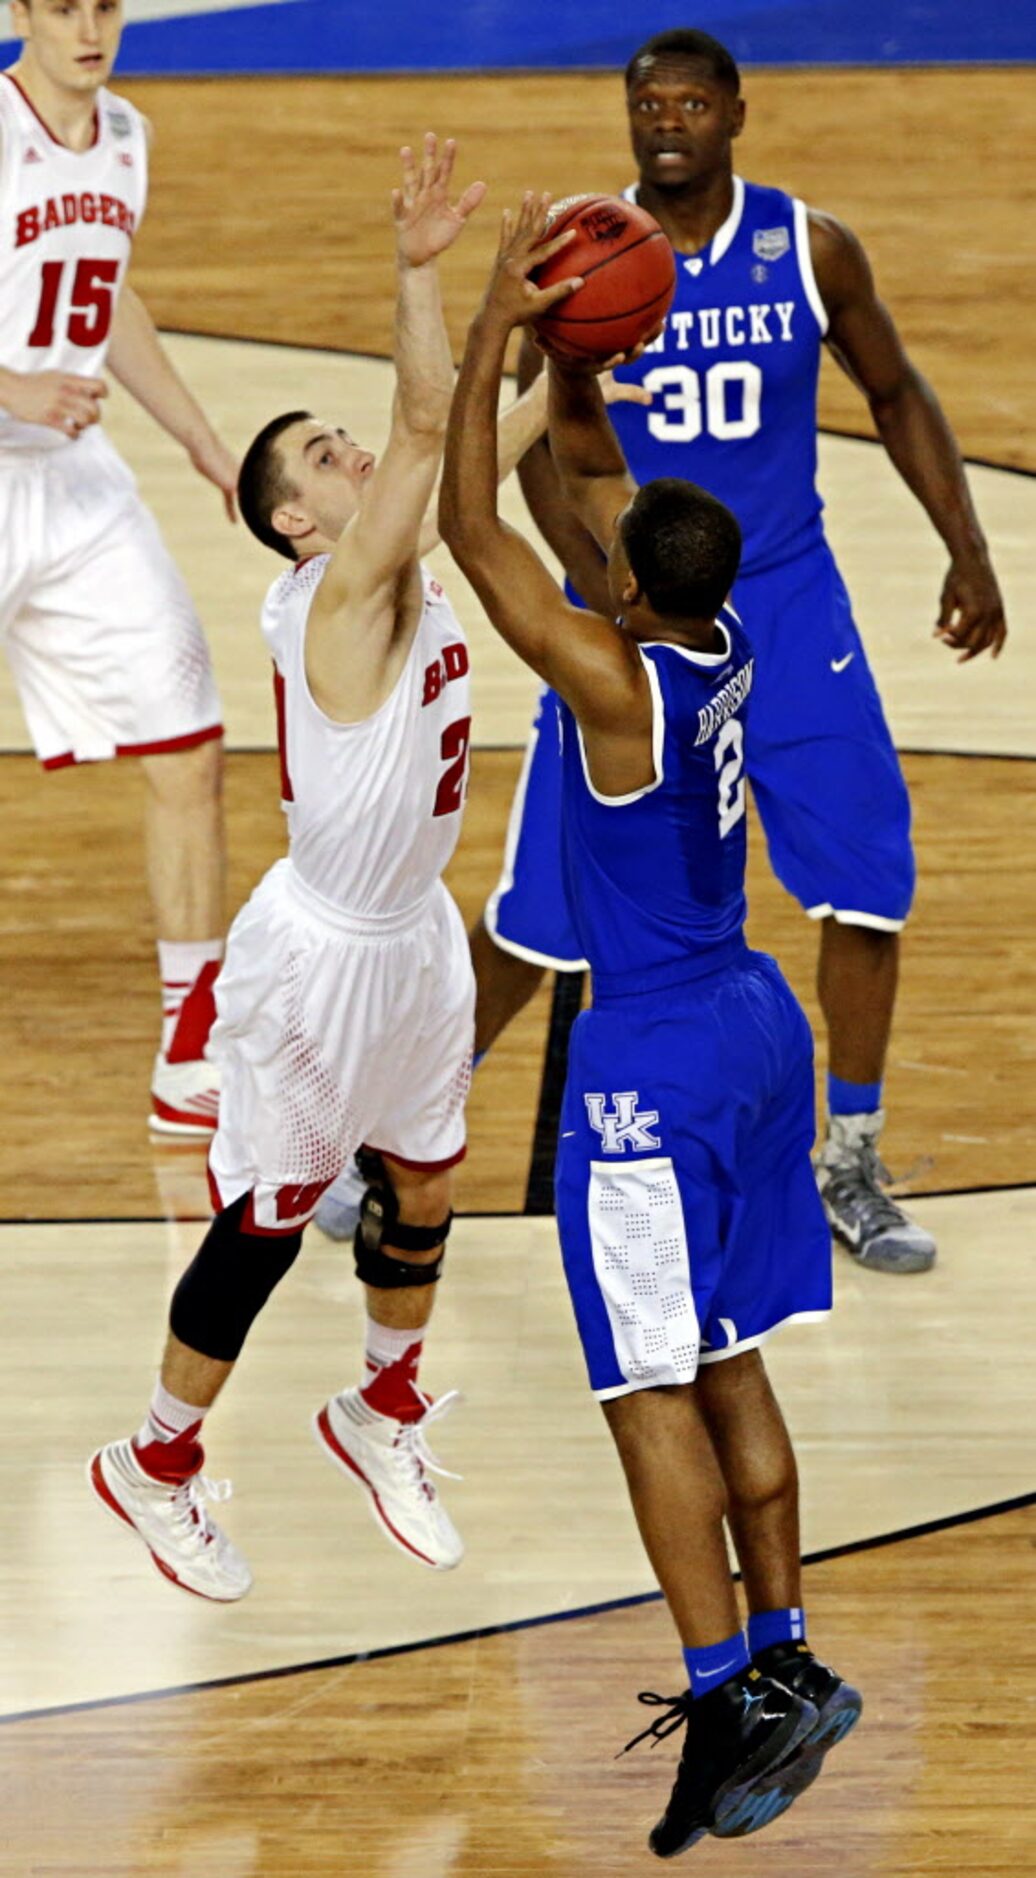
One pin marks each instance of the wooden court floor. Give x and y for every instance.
(494, 1755)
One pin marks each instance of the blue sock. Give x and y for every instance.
(852, 1098)
(769, 1627)
(716, 1663)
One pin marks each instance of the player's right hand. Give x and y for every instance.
(58, 400)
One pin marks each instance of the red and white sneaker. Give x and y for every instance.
(184, 1099)
(391, 1461)
(186, 1545)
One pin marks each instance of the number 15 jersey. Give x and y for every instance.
(655, 880)
(67, 221)
(734, 377)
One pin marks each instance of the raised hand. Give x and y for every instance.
(511, 297)
(427, 222)
(214, 461)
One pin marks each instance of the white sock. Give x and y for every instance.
(385, 1345)
(167, 1417)
(180, 961)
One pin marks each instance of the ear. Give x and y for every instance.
(631, 592)
(291, 522)
(739, 114)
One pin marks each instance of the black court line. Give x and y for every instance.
(565, 1008)
(848, 1550)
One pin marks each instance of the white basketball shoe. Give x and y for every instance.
(391, 1460)
(184, 1099)
(185, 1544)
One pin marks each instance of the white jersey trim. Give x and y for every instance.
(805, 260)
(699, 658)
(657, 747)
(846, 917)
(723, 237)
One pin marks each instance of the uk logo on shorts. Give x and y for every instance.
(626, 1126)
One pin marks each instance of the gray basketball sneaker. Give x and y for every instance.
(860, 1213)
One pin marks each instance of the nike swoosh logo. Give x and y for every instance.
(709, 1675)
(839, 665)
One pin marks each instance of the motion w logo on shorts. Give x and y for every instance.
(627, 1127)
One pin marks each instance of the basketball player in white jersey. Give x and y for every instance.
(103, 641)
(346, 1004)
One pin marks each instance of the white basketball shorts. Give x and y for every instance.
(333, 1032)
(99, 629)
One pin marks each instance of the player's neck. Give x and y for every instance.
(68, 115)
(691, 215)
(698, 635)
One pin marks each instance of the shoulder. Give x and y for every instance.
(121, 117)
(839, 258)
(290, 594)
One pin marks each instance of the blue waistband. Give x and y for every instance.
(608, 987)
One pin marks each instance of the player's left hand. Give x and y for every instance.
(427, 222)
(971, 611)
(215, 462)
(511, 297)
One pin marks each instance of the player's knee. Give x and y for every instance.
(405, 1220)
(227, 1283)
(187, 779)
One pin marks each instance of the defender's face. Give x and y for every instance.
(328, 471)
(682, 122)
(73, 42)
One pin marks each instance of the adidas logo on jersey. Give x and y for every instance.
(32, 156)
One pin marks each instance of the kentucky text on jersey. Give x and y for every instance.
(62, 211)
(711, 326)
(726, 702)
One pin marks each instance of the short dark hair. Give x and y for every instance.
(683, 546)
(686, 42)
(262, 485)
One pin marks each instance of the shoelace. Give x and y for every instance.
(678, 1709)
(413, 1447)
(190, 1518)
(856, 1182)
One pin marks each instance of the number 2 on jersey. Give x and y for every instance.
(90, 307)
(731, 781)
(454, 750)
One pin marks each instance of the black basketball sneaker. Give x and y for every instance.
(838, 1705)
(737, 1735)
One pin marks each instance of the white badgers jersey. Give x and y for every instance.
(373, 808)
(67, 221)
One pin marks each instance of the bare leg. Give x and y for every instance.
(190, 1376)
(505, 985)
(757, 1462)
(424, 1200)
(856, 982)
(184, 841)
(678, 1497)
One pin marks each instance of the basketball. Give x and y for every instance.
(628, 271)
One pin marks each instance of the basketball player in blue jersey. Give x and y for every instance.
(688, 1213)
(763, 283)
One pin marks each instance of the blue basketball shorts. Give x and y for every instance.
(822, 765)
(688, 1213)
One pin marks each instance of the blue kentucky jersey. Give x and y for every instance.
(734, 377)
(655, 881)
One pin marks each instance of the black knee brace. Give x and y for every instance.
(227, 1283)
(380, 1225)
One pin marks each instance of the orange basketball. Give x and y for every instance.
(628, 273)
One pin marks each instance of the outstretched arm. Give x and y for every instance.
(137, 358)
(595, 481)
(368, 603)
(583, 656)
(914, 430)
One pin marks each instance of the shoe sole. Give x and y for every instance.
(837, 1718)
(912, 1262)
(103, 1493)
(326, 1439)
(742, 1805)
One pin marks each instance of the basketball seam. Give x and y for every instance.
(653, 234)
(606, 319)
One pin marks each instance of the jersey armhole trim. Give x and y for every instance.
(657, 747)
(805, 260)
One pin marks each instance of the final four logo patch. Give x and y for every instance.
(770, 243)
